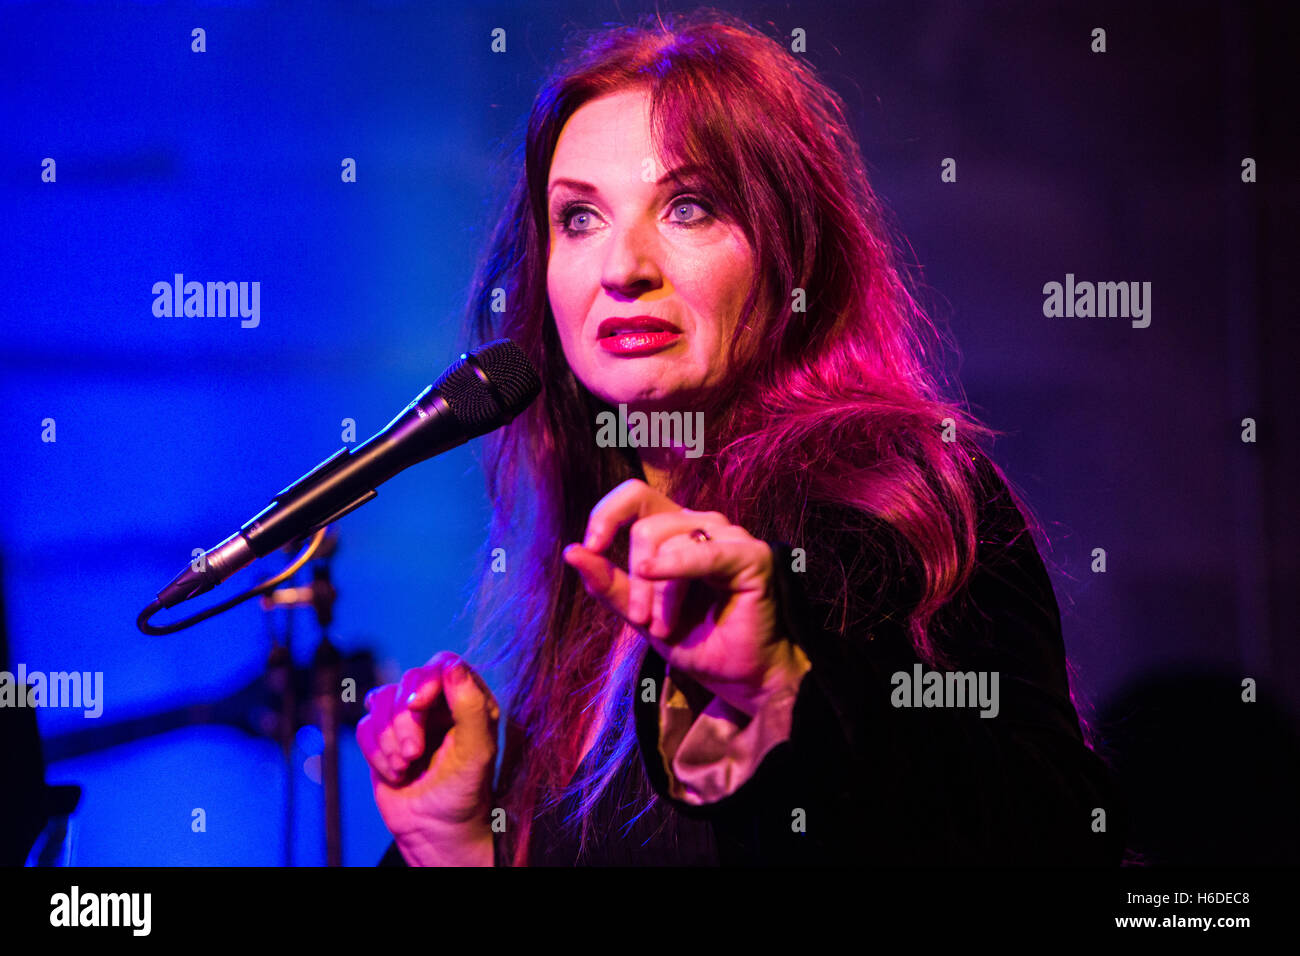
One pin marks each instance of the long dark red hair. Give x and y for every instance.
(832, 413)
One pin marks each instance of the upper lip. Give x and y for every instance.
(634, 323)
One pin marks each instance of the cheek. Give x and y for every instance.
(572, 273)
(724, 286)
(569, 306)
(559, 291)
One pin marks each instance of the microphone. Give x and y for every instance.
(479, 393)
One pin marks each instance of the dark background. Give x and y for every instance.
(225, 165)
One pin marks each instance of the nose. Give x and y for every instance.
(631, 266)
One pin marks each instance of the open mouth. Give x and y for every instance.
(635, 325)
(637, 335)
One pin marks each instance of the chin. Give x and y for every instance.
(623, 395)
(642, 382)
(652, 397)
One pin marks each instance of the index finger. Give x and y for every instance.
(629, 501)
(419, 687)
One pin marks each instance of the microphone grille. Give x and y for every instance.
(510, 373)
(489, 386)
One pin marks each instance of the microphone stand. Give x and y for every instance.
(280, 680)
(327, 672)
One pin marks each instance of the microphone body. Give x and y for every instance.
(479, 393)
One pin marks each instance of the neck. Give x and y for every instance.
(657, 463)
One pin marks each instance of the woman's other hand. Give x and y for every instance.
(431, 742)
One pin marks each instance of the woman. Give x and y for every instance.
(733, 651)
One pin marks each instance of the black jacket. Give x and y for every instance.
(861, 781)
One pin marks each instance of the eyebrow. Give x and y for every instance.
(678, 175)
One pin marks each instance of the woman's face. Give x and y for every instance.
(645, 283)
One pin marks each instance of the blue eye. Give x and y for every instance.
(575, 219)
(681, 212)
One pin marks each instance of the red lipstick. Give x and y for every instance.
(637, 335)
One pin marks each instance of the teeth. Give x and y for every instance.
(640, 330)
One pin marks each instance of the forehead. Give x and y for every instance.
(612, 130)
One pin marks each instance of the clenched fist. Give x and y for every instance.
(431, 742)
